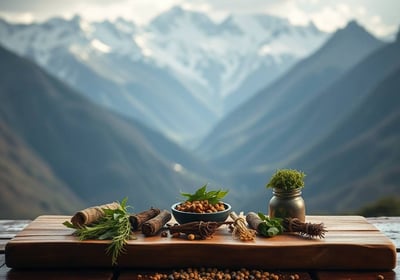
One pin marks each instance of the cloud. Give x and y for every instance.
(139, 11)
(380, 17)
(290, 10)
(18, 17)
(332, 17)
(329, 15)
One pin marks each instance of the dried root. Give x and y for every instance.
(202, 229)
(240, 230)
(309, 230)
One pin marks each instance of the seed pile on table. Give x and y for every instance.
(214, 273)
(200, 206)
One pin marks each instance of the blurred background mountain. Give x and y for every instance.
(95, 111)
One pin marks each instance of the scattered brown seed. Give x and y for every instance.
(191, 236)
(216, 274)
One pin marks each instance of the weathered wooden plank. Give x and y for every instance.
(3, 243)
(9, 228)
(359, 275)
(390, 226)
(341, 223)
(360, 244)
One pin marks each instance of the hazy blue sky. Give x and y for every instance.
(381, 17)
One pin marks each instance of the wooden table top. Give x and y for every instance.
(389, 226)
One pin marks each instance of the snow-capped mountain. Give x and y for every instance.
(179, 74)
(214, 59)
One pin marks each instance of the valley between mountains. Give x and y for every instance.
(97, 111)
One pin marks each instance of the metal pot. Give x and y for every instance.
(287, 204)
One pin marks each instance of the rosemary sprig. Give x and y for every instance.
(114, 226)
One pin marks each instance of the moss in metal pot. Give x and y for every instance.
(287, 179)
(287, 201)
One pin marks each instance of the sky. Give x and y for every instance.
(381, 17)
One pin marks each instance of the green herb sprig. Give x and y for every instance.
(270, 226)
(114, 226)
(213, 197)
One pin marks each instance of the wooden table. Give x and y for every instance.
(390, 226)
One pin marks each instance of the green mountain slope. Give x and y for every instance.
(28, 186)
(97, 154)
(358, 162)
(255, 130)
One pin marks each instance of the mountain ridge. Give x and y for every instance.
(97, 154)
(266, 116)
(100, 154)
(28, 185)
(205, 63)
(356, 162)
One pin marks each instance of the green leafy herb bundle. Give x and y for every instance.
(269, 226)
(114, 226)
(213, 197)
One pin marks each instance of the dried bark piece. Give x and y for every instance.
(92, 214)
(152, 226)
(139, 219)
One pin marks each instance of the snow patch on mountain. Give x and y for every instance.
(211, 60)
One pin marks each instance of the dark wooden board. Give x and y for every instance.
(352, 243)
(62, 274)
(7, 273)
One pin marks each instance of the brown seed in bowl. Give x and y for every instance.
(202, 206)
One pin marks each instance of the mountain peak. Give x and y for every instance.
(175, 11)
(353, 29)
(259, 21)
(352, 33)
(353, 24)
(177, 15)
(311, 25)
(347, 41)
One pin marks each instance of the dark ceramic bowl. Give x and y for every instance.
(186, 217)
